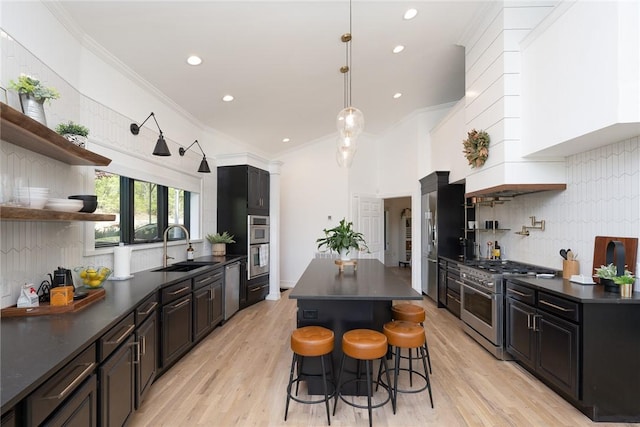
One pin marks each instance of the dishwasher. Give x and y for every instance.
(231, 289)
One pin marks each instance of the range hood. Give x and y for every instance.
(513, 190)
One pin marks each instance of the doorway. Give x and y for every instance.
(397, 232)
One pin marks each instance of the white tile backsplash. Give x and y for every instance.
(602, 199)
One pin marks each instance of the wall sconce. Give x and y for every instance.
(204, 165)
(161, 146)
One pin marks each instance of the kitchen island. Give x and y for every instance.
(352, 299)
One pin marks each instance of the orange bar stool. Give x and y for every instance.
(364, 345)
(406, 335)
(310, 341)
(412, 313)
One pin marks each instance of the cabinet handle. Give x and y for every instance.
(536, 327)
(136, 360)
(179, 291)
(212, 295)
(529, 321)
(181, 304)
(74, 383)
(522, 294)
(121, 338)
(557, 307)
(259, 288)
(153, 307)
(458, 282)
(143, 342)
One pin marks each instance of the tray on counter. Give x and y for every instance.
(44, 307)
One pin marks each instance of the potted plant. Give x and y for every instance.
(342, 239)
(73, 132)
(625, 282)
(219, 243)
(32, 96)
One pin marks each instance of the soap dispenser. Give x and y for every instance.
(190, 252)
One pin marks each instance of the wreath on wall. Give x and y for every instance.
(476, 147)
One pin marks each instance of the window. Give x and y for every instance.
(143, 210)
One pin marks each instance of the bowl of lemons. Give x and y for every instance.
(92, 276)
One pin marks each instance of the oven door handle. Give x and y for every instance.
(478, 291)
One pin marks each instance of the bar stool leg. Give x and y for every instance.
(293, 364)
(369, 389)
(337, 393)
(324, 385)
(424, 364)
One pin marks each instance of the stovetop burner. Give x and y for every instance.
(509, 267)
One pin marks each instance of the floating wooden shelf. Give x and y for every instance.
(27, 214)
(25, 132)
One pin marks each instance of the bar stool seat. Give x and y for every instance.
(364, 345)
(406, 335)
(310, 341)
(412, 313)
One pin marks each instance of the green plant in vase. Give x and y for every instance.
(73, 132)
(32, 96)
(219, 242)
(341, 239)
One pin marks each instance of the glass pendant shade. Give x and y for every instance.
(350, 122)
(346, 151)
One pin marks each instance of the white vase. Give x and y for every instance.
(344, 255)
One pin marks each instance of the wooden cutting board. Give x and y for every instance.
(600, 252)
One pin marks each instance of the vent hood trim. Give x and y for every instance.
(513, 190)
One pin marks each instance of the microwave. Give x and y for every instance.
(258, 229)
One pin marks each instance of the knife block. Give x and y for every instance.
(569, 268)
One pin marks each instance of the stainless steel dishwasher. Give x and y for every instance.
(231, 289)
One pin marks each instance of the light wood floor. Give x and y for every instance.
(237, 376)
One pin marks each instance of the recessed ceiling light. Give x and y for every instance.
(397, 95)
(194, 60)
(227, 98)
(410, 14)
(398, 49)
(285, 140)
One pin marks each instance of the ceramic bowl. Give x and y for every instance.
(92, 276)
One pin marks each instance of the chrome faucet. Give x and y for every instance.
(165, 257)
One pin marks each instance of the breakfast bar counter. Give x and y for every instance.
(347, 300)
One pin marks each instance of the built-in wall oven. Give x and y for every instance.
(258, 246)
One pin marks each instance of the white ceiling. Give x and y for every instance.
(281, 59)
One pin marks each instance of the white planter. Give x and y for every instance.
(344, 255)
(79, 140)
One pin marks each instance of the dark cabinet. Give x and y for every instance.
(207, 303)
(257, 289)
(176, 329)
(243, 283)
(65, 390)
(242, 190)
(258, 190)
(449, 285)
(147, 350)
(80, 410)
(9, 419)
(117, 385)
(544, 337)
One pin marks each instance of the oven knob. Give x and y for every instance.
(490, 284)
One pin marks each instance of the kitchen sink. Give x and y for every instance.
(184, 266)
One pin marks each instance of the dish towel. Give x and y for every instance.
(264, 255)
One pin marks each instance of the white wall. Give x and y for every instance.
(577, 80)
(30, 250)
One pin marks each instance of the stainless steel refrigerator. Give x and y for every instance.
(429, 245)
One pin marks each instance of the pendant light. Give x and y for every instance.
(161, 148)
(350, 121)
(204, 165)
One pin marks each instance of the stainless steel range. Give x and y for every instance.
(482, 300)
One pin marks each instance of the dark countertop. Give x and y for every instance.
(35, 347)
(372, 281)
(590, 294)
